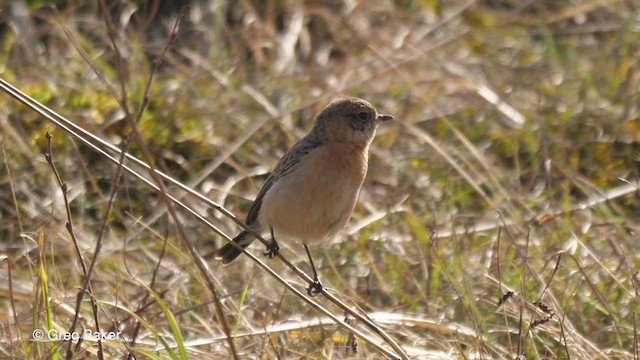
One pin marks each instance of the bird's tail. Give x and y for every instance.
(228, 252)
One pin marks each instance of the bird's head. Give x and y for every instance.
(349, 120)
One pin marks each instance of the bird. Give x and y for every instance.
(312, 191)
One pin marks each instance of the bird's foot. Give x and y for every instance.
(272, 249)
(315, 287)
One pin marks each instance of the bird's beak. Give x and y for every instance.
(384, 117)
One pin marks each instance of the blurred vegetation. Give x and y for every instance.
(511, 116)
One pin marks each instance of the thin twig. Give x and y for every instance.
(86, 272)
(63, 187)
(12, 302)
(553, 274)
(13, 190)
(523, 295)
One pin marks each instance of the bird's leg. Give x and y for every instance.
(272, 248)
(315, 287)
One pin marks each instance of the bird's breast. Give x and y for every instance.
(314, 200)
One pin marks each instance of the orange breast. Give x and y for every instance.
(315, 200)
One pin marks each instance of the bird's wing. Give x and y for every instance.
(286, 164)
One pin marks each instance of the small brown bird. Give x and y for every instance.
(313, 189)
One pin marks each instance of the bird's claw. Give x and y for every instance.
(315, 287)
(272, 249)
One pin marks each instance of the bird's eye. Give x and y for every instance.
(363, 115)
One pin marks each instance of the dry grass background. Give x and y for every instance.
(499, 220)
